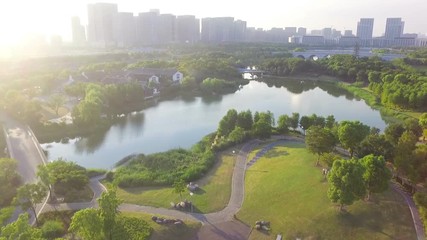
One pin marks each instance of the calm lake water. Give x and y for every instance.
(184, 121)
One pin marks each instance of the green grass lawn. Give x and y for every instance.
(214, 193)
(162, 232)
(285, 188)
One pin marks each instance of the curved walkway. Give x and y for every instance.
(419, 228)
(236, 198)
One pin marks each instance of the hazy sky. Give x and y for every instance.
(48, 17)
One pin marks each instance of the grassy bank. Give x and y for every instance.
(214, 193)
(285, 188)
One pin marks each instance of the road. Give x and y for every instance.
(24, 147)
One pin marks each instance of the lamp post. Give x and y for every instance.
(191, 197)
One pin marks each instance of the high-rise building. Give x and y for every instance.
(394, 28)
(124, 29)
(147, 27)
(77, 32)
(100, 24)
(302, 31)
(187, 29)
(365, 28)
(348, 33)
(239, 31)
(219, 29)
(327, 33)
(166, 28)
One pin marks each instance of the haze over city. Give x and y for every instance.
(49, 17)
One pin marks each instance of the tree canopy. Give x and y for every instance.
(351, 133)
(319, 140)
(346, 183)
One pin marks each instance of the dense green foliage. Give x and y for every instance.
(9, 180)
(64, 176)
(167, 167)
(107, 223)
(217, 86)
(5, 214)
(319, 141)
(351, 133)
(29, 195)
(131, 228)
(52, 229)
(20, 229)
(376, 174)
(420, 199)
(346, 183)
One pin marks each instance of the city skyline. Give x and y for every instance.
(39, 17)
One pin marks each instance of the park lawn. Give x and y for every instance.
(161, 232)
(213, 195)
(285, 188)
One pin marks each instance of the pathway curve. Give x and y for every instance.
(236, 198)
(419, 228)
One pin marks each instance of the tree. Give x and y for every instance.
(65, 175)
(294, 120)
(108, 210)
(376, 174)
(20, 229)
(262, 127)
(9, 180)
(412, 124)
(346, 183)
(179, 187)
(29, 195)
(319, 140)
(45, 178)
(87, 224)
(330, 121)
(305, 123)
(56, 101)
(283, 124)
(351, 133)
(245, 120)
(227, 123)
(404, 152)
(423, 120)
(375, 144)
(237, 135)
(393, 132)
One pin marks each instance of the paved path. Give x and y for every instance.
(23, 146)
(419, 228)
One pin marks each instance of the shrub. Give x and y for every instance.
(52, 229)
(131, 228)
(421, 201)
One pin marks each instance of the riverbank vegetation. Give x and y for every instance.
(167, 167)
(212, 195)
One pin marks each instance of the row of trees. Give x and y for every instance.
(395, 84)
(354, 179)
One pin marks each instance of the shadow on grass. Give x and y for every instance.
(272, 153)
(199, 191)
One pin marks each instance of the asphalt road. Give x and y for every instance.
(24, 147)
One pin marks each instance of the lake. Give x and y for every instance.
(184, 121)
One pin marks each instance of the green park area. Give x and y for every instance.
(213, 193)
(286, 188)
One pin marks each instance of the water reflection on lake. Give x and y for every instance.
(184, 121)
